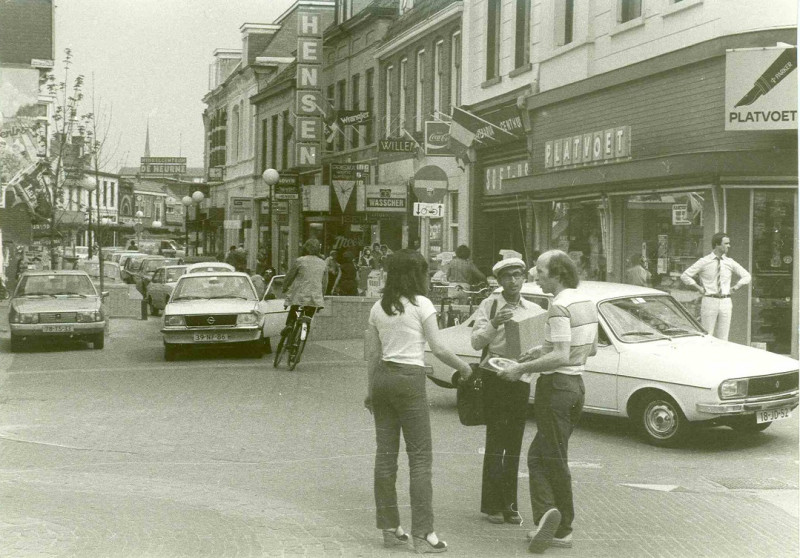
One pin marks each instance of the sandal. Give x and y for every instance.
(391, 538)
(423, 546)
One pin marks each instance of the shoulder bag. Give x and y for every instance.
(470, 392)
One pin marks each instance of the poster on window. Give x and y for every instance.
(662, 262)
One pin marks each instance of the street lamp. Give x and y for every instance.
(138, 227)
(195, 198)
(271, 177)
(90, 187)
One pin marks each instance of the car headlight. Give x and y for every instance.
(174, 321)
(27, 318)
(730, 389)
(92, 316)
(247, 319)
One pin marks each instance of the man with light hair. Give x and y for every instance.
(570, 338)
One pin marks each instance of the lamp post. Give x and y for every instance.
(138, 228)
(271, 177)
(187, 201)
(90, 187)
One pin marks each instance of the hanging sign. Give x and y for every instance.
(309, 89)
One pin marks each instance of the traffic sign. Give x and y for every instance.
(428, 210)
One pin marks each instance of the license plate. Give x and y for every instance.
(773, 414)
(57, 329)
(210, 337)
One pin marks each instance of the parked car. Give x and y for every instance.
(273, 307)
(199, 259)
(56, 304)
(160, 287)
(110, 271)
(213, 309)
(133, 264)
(208, 267)
(122, 257)
(657, 366)
(145, 271)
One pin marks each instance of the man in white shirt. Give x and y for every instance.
(711, 276)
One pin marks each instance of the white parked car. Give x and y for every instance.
(213, 309)
(657, 366)
(208, 267)
(273, 307)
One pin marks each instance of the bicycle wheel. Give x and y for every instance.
(280, 350)
(299, 343)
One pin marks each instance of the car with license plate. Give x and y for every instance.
(273, 306)
(657, 366)
(208, 309)
(144, 274)
(131, 267)
(208, 267)
(160, 287)
(111, 270)
(60, 304)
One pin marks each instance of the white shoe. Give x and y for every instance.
(542, 538)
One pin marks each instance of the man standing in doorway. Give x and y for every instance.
(570, 337)
(711, 277)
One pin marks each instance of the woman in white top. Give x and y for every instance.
(399, 325)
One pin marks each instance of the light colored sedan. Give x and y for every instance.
(160, 287)
(273, 307)
(213, 309)
(208, 267)
(657, 366)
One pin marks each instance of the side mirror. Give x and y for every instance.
(105, 294)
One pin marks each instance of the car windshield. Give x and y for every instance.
(152, 265)
(174, 273)
(647, 318)
(210, 287)
(56, 285)
(110, 270)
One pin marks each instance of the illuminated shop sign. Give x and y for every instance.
(602, 146)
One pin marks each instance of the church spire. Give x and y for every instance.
(147, 141)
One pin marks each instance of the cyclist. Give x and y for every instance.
(305, 283)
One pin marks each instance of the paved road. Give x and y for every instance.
(118, 453)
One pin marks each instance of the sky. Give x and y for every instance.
(149, 59)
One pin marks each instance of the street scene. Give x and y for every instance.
(365, 277)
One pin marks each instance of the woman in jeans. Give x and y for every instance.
(399, 325)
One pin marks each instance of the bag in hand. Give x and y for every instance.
(470, 400)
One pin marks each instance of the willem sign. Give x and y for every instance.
(309, 90)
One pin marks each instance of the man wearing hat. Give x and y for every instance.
(505, 402)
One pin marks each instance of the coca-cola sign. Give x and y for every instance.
(437, 139)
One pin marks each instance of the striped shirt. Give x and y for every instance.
(573, 319)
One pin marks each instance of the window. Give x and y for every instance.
(438, 69)
(355, 134)
(420, 96)
(387, 128)
(265, 163)
(287, 133)
(341, 105)
(370, 103)
(330, 97)
(403, 93)
(522, 47)
(455, 70)
(629, 9)
(406, 5)
(345, 11)
(493, 40)
(235, 134)
(112, 194)
(274, 142)
(454, 207)
(105, 193)
(565, 15)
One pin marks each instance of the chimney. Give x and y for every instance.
(255, 38)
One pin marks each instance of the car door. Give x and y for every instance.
(155, 289)
(601, 374)
(272, 306)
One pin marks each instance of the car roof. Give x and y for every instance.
(197, 265)
(217, 274)
(599, 290)
(58, 272)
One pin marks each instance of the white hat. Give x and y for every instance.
(506, 263)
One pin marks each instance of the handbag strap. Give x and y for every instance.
(485, 351)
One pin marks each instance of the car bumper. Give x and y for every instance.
(189, 336)
(750, 405)
(82, 329)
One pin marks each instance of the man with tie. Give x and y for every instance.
(711, 276)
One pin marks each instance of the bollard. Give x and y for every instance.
(144, 309)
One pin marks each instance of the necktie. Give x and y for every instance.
(719, 275)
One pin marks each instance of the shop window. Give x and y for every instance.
(773, 268)
(581, 230)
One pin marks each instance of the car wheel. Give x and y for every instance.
(16, 344)
(661, 421)
(748, 425)
(170, 352)
(153, 309)
(98, 341)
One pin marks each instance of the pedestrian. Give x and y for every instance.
(711, 277)
(230, 257)
(400, 324)
(636, 274)
(346, 281)
(506, 403)
(333, 270)
(260, 285)
(570, 338)
(241, 259)
(462, 271)
(305, 283)
(132, 245)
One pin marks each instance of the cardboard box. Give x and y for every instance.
(524, 331)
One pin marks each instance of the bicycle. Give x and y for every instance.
(293, 340)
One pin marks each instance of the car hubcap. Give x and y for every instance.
(660, 419)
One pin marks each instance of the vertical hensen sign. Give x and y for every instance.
(309, 91)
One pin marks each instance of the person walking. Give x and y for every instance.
(506, 403)
(333, 270)
(462, 271)
(570, 338)
(305, 283)
(231, 258)
(399, 326)
(711, 276)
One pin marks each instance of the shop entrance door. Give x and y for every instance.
(773, 269)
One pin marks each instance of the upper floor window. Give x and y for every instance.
(285, 136)
(274, 142)
(330, 98)
(370, 98)
(629, 9)
(493, 39)
(387, 128)
(565, 19)
(522, 47)
(406, 5)
(455, 70)
(345, 11)
(438, 70)
(355, 104)
(235, 134)
(403, 93)
(420, 90)
(342, 105)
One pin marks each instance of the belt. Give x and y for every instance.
(717, 296)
